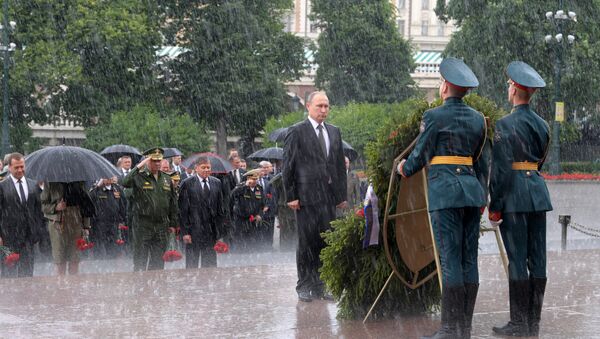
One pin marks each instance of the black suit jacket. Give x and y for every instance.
(199, 216)
(233, 181)
(308, 174)
(20, 223)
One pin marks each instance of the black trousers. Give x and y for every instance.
(200, 250)
(24, 267)
(312, 220)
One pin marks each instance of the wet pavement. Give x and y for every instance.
(260, 302)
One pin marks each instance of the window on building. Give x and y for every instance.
(441, 28)
(401, 4)
(401, 27)
(425, 4)
(424, 28)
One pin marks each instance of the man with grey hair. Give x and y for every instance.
(266, 230)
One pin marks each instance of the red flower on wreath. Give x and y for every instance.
(221, 247)
(360, 213)
(11, 259)
(251, 218)
(172, 255)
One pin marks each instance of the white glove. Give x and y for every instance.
(400, 165)
(495, 224)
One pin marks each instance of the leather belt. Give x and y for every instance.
(525, 166)
(451, 160)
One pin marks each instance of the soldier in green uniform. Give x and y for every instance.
(520, 200)
(154, 206)
(450, 143)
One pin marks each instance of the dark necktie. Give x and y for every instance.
(205, 188)
(22, 191)
(322, 139)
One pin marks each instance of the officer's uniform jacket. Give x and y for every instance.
(154, 200)
(110, 205)
(247, 203)
(453, 129)
(520, 136)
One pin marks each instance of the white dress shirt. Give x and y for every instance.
(24, 183)
(325, 134)
(202, 182)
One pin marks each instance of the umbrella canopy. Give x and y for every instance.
(270, 153)
(68, 164)
(171, 152)
(349, 151)
(217, 163)
(278, 135)
(114, 152)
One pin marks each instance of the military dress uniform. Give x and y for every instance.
(248, 202)
(518, 191)
(154, 207)
(110, 212)
(450, 143)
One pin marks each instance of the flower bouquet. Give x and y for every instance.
(120, 241)
(171, 254)
(221, 247)
(84, 243)
(10, 258)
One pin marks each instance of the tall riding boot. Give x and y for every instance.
(518, 291)
(470, 297)
(537, 289)
(453, 301)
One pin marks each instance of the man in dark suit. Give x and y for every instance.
(21, 216)
(201, 215)
(236, 175)
(266, 231)
(314, 177)
(176, 162)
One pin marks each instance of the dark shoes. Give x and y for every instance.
(305, 296)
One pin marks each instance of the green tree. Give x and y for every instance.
(361, 55)
(491, 34)
(238, 58)
(145, 127)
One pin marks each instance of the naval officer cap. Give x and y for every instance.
(457, 73)
(524, 76)
(154, 153)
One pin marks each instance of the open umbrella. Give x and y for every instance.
(68, 164)
(217, 164)
(114, 152)
(171, 152)
(350, 152)
(278, 135)
(271, 153)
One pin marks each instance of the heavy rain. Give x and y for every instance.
(299, 169)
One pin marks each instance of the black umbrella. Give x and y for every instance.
(278, 135)
(68, 164)
(114, 152)
(270, 153)
(349, 151)
(217, 164)
(171, 152)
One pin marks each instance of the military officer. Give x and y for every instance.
(520, 199)
(248, 208)
(108, 198)
(154, 210)
(450, 143)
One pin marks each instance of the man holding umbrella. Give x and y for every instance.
(154, 210)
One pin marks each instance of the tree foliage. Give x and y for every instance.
(145, 127)
(361, 55)
(491, 34)
(238, 58)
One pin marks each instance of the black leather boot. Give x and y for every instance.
(470, 297)
(453, 301)
(537, 288)
(518, 291)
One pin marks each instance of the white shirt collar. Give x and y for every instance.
(200, 178)
(314, 123)
(15, 180)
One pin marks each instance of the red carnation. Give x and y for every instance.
(11, 259)
(269, 195)
(221, 247)
(251, 218)
(83, 244)
(120, 242)
(360, 213)
(172, 255)
(123, 227)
